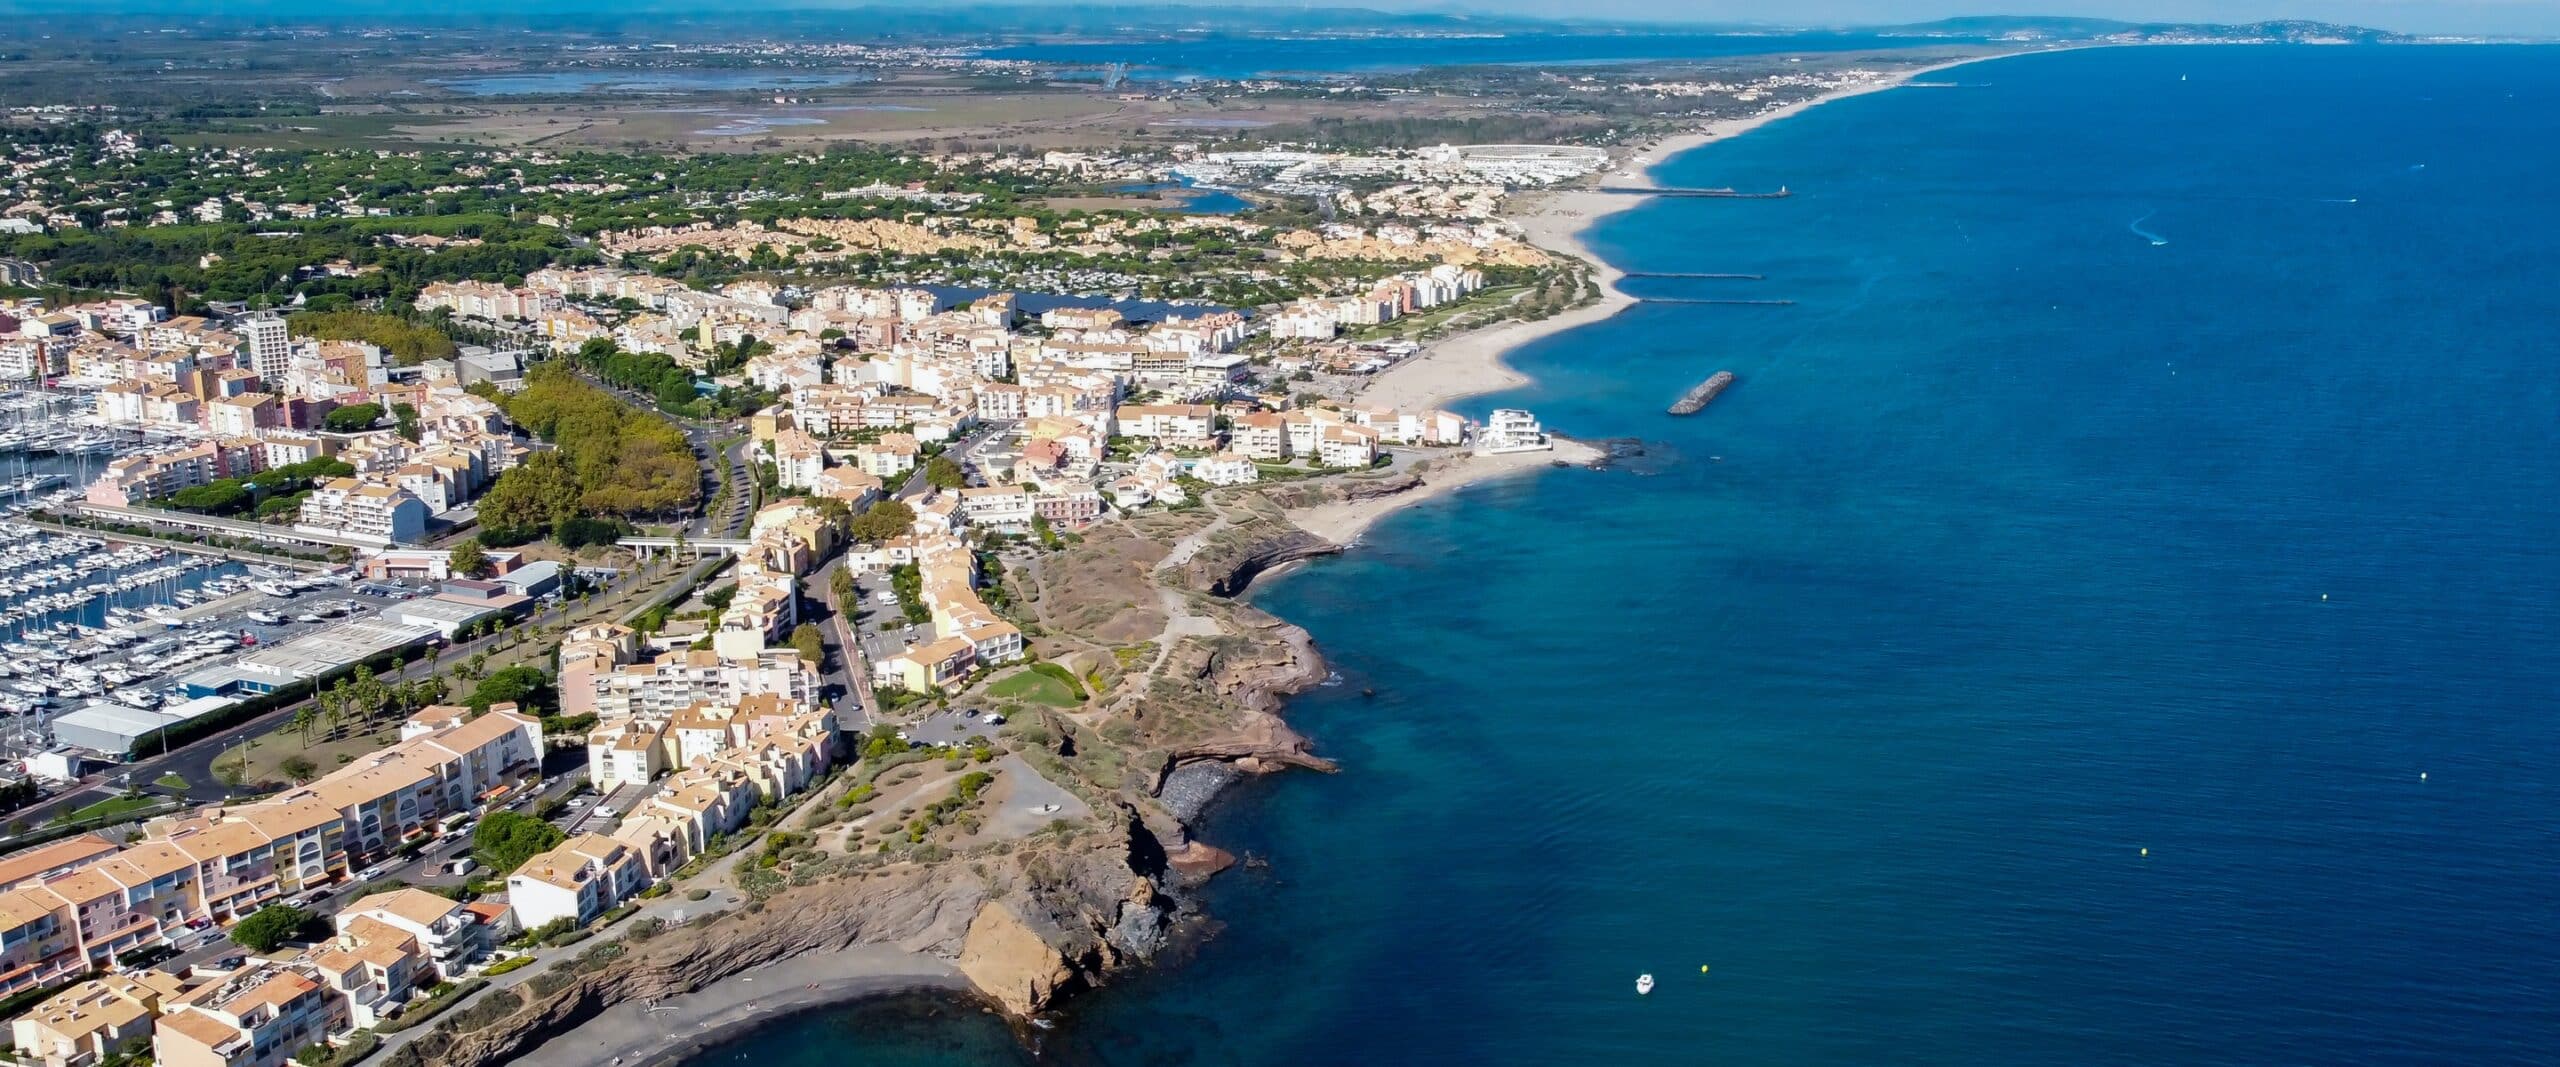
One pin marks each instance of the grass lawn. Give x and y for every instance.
(1427, 324)
(267, 756)
(111, 806)
(174, 780)
(1035, 687)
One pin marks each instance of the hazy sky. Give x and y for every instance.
(2539, 18)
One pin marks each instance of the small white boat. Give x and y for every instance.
(1644, 984)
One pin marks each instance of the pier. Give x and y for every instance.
(1704, 300)
(174, 544)
(1718, 193)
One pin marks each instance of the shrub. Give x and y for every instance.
(436, 1005)
(488, 1011)
(505, 839)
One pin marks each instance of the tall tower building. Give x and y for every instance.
(270, 349)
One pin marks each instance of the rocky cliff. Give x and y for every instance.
(1035, 919)
(1040, 921)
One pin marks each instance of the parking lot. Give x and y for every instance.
(953, 727)
(883, 629)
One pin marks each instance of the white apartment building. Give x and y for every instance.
(372, 511)
(584, 877)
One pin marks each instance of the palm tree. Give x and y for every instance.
(306, 718)
(323, 706)
(342, 702)
(369, 694)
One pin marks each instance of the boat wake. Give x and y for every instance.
(2136, 226)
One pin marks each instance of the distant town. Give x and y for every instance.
(481, 513)
(422, 560)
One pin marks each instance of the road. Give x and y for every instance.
(845, 670)
(738, 508)
(961, 451)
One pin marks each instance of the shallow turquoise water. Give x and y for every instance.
(2024, 545)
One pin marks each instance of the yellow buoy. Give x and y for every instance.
(1702, 968)
(2146, 852)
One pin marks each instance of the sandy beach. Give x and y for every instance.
(1472, 364)
(1343, 523)
(634, 1034)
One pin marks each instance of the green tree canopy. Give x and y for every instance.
(610, 459)
(944, 472)
(352, 418)
(886, 520)
(272, 926)
(505, 839)
(526, 686)
(811, 645)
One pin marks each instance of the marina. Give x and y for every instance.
(122, 624)
(95, 618)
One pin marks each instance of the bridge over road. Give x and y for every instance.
(697, 546)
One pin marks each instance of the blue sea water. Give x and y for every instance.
(2026, 544)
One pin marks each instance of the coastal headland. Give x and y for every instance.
(1189, 678)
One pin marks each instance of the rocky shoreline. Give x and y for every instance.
(1027, 923)
(1022, 925)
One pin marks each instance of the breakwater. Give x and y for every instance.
(1691, 402)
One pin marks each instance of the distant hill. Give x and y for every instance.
(860, 17)
(1016, 19)
(2067, 28)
